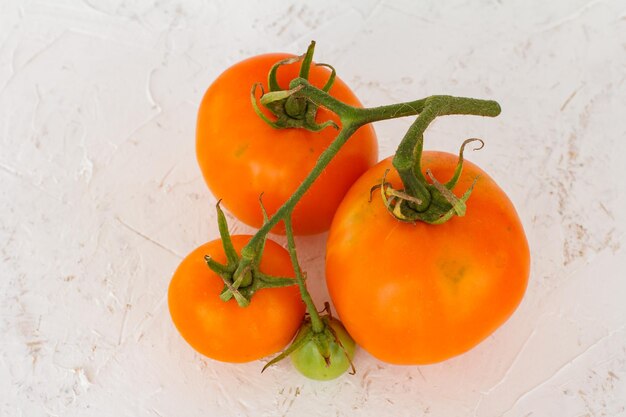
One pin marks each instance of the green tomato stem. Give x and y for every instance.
(352, 118)
(284, 212)
(420, 200)
(316, 321)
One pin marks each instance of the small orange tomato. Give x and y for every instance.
(241, 157)
(223, 330)
(419, 293)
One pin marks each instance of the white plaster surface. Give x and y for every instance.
(101, 197)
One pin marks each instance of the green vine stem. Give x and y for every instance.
(419, 200)
(316, 321)
(423, 197)
(353, 117)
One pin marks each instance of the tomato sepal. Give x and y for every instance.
(432, 203)
(241, 275)
(292, 110)
(296, 344)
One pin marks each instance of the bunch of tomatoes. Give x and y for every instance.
(407, 292)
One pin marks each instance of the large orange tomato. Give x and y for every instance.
(419, 293)
(223, 330)
(241, 156)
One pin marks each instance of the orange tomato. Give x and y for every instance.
(223, 330)
(241, 156)
(419, 293)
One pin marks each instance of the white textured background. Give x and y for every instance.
(100, 197)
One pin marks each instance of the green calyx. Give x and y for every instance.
(290, 109)
(422, 199)
(242, 276)
(434, 203)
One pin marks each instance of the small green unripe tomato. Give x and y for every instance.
(325, 355)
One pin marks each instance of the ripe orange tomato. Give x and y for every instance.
(419, 293)
(223, 330)
(241, 156)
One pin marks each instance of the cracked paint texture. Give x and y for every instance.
(101, 197)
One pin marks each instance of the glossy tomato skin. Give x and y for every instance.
(418, 293)
(223, 330)
(241, 156)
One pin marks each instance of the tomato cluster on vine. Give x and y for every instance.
(426, 255)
